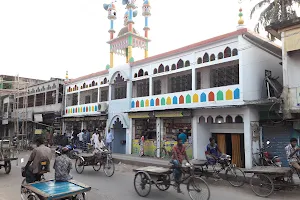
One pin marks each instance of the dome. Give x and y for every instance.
(146, 2)
(124, 30)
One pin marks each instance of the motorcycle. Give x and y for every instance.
(266, 158)
(73, 152)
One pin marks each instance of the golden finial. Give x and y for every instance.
(67, 75)
(241, 20)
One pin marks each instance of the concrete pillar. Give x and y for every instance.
(110, 88)
(194, 76)
(99, 95)
(250, 115)
(129, 137)
(201, 134)
(158, 134)
(150, 86)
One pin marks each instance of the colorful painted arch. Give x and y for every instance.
(203, 97)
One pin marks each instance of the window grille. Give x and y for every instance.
(224, 76)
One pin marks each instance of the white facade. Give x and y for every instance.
(204, 98)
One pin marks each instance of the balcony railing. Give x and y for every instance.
(219, 96)
(92, 108)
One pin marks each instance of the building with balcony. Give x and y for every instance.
(210, 88)
(9, 87)
(40, 107)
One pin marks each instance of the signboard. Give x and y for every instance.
(173, 114)
(139, 115)
(38, 131)
(38, 117)
(292, 40)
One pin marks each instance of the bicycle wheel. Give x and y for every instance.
(163, 152)
(235, 176)
(198, 189)
(79, 165)
(109, 168)
(163, 182)
(142, 183)
(262, 185)
(97, 165)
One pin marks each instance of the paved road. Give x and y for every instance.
(120, 186)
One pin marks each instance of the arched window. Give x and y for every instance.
(210, 120)
(146, 73)
(229, 119)
(155, 71)
(227, 52)
(220, 56)
(119, 88)
(161, 68)
(199, 60)
(93, 84)
(135, 75)
(187, 63)
(105, 80)
(84, 85)
(167, 68)
(202, 120)
(173, 67)
(238, 119)
(234, 52)
(205, 58)
(141, 73)
(219, 119)
(212, 57)
(180, 64)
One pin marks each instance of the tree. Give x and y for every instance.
(274, 11)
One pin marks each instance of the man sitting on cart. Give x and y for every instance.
(212, 152)
(38, 162)
(178, 155)
(63, 166)
(292, 153)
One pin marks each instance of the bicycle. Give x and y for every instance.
(163, 151)
(160, 177)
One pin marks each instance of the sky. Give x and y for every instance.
(45, 38)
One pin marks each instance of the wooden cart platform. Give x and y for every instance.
(268, 170)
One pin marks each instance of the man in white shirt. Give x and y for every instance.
(80, 138)
(109, 139)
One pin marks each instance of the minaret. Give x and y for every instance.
(146, 13)
(67, 76)
(241, 20)
(112, 15)
(130, 7)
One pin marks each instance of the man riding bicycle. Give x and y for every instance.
(38, 162)
(178, 155)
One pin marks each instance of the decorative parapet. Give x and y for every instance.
(221, 96)
(82, 109)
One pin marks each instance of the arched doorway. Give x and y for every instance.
(119, 143)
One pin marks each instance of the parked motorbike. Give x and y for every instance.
(266, 158)
(73, 152)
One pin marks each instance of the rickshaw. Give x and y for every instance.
(54, 190)
(51, 189)
(7, 154)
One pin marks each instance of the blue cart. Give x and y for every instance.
(52, 190)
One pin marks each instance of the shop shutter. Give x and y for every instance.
(279, 136)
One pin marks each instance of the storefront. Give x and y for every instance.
(143, 124)
(76, 124)
(161, 126)
(174, 123)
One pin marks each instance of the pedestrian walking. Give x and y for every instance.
(80, 138)
(109, 139)
(142, 140)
